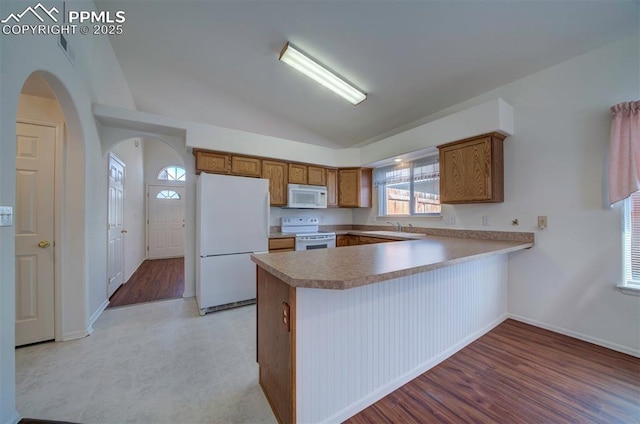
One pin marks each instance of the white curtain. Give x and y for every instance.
(624, 151)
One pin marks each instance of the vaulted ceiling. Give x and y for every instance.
(217, 61)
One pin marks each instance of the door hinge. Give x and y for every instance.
(147, 248)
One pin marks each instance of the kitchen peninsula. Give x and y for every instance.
(340, 328)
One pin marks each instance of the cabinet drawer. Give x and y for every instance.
(288, 243)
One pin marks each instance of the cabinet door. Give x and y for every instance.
(373, 240)
(471, 171)
(353, 240)
(342, 240)
(212, 162)
(250, 167)
(276, 344)
(282, 244)
(297, 173)
(316, 176)
(276, 173)
(332, 187)
(354, 188)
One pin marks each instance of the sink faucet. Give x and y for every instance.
(410, 228)
(397, 225)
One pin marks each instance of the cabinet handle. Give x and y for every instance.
(286, 319)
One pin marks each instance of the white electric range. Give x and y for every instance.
(308, 237)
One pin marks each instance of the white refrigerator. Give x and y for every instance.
(232, 222)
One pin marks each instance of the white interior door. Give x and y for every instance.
(116, 225)
(34, 226)
(165, 221)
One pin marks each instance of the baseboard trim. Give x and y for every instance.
(89, 330)
(15, 419)
(76, 335)
(189, 294)
(372, 398)
(97, 314)
(576, 335)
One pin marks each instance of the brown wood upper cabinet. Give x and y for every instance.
(316, 176)
(472, 170)
(332, 187)
(277, 174)
(250, 167)
(297, 173)
(354, 187)
(212, 162)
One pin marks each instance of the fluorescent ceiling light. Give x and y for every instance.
(319, 73)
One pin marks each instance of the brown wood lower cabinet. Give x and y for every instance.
(373, 240)
(276, 306)
(286, 244)
(353, 240)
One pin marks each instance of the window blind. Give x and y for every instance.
(632, 239)
(424, 169)
(409, 188)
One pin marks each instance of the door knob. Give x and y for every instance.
(123, 231)
(44, 244)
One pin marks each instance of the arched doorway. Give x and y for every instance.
(39, 140)
(144, 181)
(49, 154)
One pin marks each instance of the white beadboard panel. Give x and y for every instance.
(355, 346)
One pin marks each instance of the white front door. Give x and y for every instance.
(166, 221)
(34, 226)
(115, 267)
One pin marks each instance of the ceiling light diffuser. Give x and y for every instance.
(320, 74)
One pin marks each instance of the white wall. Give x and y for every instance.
(157, 156)
(134, 203)
(555, 166)
(329, 216)
(94, 77)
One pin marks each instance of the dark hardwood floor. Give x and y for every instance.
(518, 373)
(155, 279)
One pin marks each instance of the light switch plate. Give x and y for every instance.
(6, 216)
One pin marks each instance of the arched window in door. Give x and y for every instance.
(172, 173)
(168, 195)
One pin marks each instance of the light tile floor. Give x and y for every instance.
(150, 363)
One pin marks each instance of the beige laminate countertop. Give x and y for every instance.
(353, 266)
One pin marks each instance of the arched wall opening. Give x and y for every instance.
(50, 105)
(113, 135)
(141, 227)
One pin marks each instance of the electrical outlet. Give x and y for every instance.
(450, 220)
(486, 221)
(542, 222)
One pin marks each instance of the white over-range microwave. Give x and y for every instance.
(306, 196)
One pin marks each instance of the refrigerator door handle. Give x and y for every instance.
(268, 212)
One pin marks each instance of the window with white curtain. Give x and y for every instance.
(632, 241)
(409, 188)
